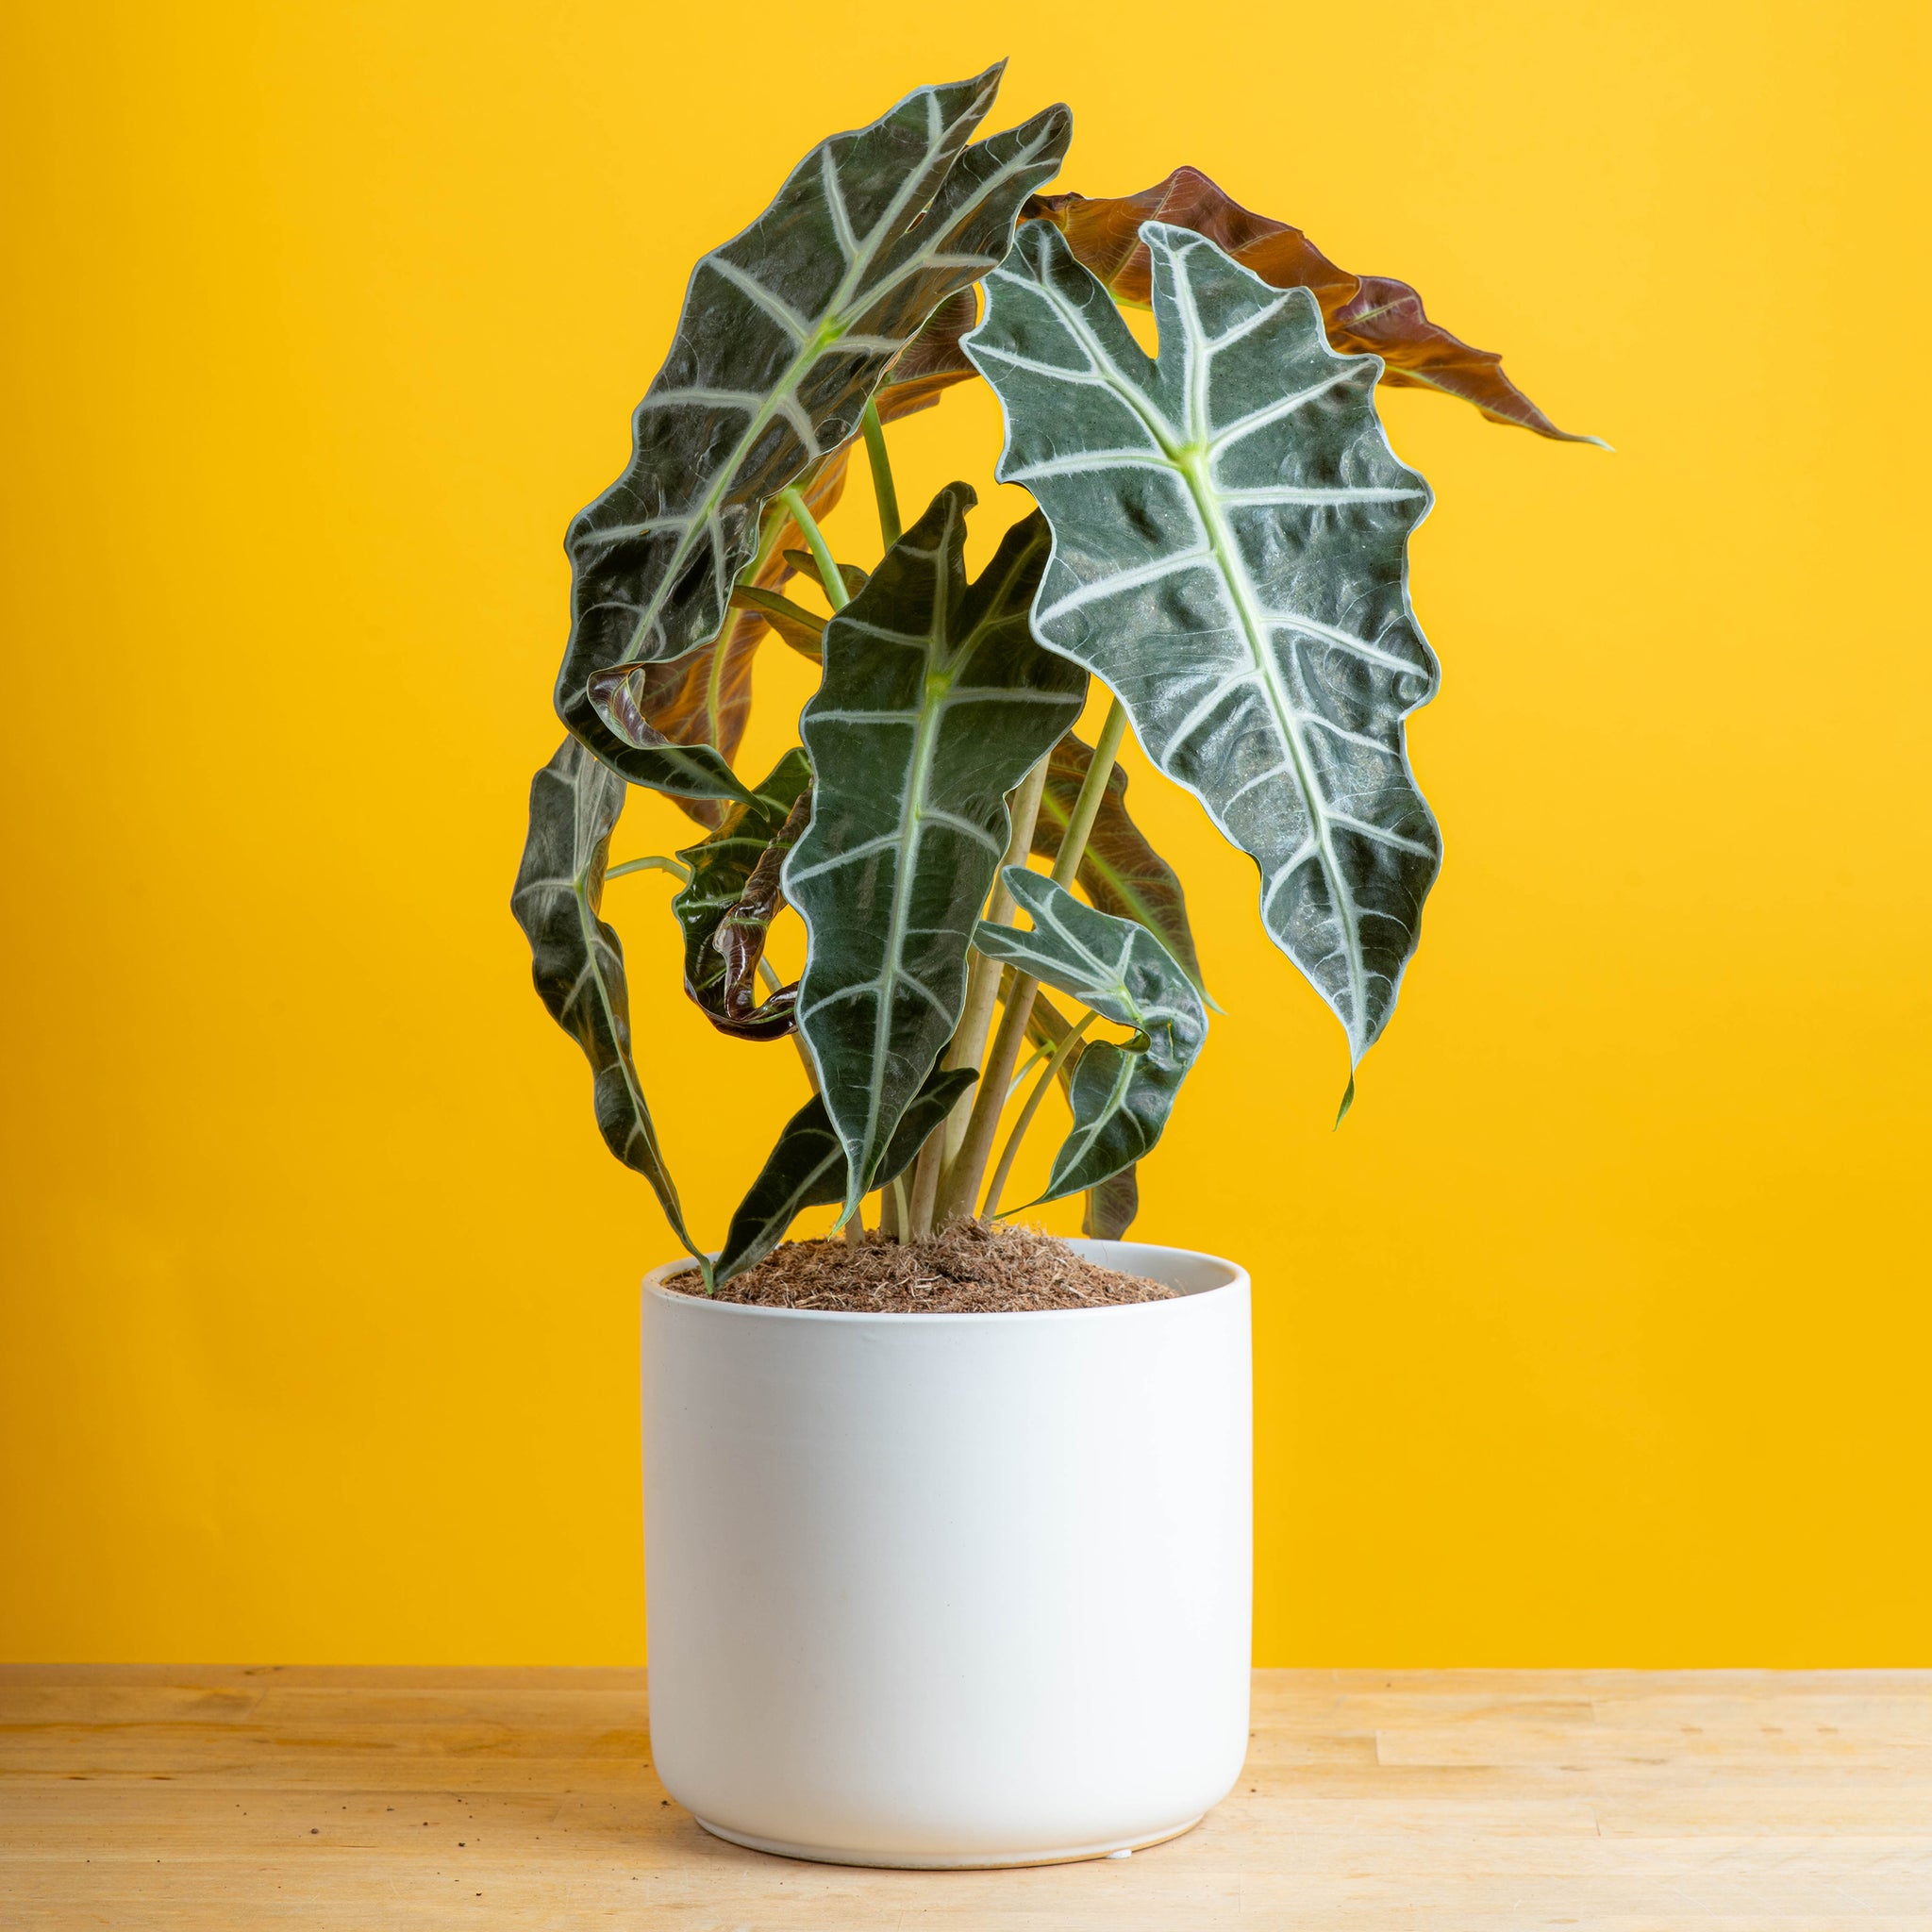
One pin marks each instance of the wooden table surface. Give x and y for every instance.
(178, 1797)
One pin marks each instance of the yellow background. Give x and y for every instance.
(1598, 1335)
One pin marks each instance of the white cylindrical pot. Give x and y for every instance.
(951, 1589)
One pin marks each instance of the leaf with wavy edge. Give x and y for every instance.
(1230, 556)
(577, 961)
(1122, 873)
(787, 329)
(1121, 1095)
(936, 702)
(720, 869)
(704, 697)
(1372, 315)
(806, 1169)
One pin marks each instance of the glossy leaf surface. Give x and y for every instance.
(721, 870)
(936, 702)
(806, 1169)
(1122, 873)
(1121, 1095)
(576, 959)
(1230, 556)
(787, 329)
(1365, 314)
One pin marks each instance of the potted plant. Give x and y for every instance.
(970, 1587)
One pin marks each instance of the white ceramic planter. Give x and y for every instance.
(951, 1589)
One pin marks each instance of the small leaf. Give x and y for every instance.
(936, 702)
(577, 961)
(1111, 1206)
(804, 630)
(645, 754)
(1365, 314)
(722, 868)
(1121, 1095)
(1230, 554)
(806, 564)
(806, 1169)
(786, 331)
(1122, 873)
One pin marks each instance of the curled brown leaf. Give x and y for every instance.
(1366, 315)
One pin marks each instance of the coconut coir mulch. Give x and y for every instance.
(968, 1269)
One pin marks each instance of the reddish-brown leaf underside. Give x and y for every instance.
(1366, 315)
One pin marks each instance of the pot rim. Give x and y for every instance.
(1237, 1279)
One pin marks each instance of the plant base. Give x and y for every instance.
(991, 1861)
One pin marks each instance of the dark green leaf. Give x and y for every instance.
(722, 868)
(1111, 1206)
(1122, 873)
(1230, 554)
(936, 702)
(786, 331)
(576, 960)
(1121, 1095)
(806, 1169)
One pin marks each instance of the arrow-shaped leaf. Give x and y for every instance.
(936, 702)
(721, 870)
(576, 959)
(787, 329)
(1121, 1095)
(1122, 874)
(1371, 315)
(1230, 554)
(806, 1169)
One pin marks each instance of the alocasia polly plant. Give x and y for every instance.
(1220, 541)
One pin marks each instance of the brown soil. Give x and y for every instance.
(966, 1269)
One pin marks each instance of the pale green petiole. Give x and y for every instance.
(836, 594)
(882, 485)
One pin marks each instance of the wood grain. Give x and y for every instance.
(162, 1796)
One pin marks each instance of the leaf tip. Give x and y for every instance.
(1347, 1102)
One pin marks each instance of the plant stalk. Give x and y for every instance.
(968, 1047)
(836, 593)
(676, 867)
(990, 1206)
(882, 485)
(769, 974)
(926, 1188)
(961, 1187)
